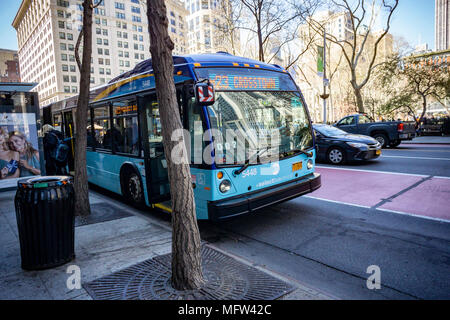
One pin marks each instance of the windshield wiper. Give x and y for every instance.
(247, 162)
(308, 154)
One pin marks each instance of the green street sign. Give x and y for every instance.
(320, 60)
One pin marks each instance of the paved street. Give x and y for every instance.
(392, 212)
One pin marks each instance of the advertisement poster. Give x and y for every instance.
(19, 149)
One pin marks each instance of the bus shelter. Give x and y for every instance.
(21, 151)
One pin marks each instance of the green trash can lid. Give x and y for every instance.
(44, 182)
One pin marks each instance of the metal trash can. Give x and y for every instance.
(46, 221)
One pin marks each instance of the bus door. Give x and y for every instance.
(70, 133)
(157, 177)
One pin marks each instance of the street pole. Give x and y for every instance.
(325, 96)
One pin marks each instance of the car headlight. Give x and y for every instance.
(225, 186)
(309, 164)
(358, 145)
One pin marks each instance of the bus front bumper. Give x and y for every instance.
(253, 201)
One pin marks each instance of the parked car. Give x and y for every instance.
(337, 146)
(388, 133)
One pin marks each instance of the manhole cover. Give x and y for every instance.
(225, 279)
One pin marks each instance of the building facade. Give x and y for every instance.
(338, 26)
(210, 27)
(442, 27)
(47, 32)
(9, 66)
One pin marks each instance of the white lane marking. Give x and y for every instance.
(379, 209)
(413, 215)
(440, 177)
(338, 202)
(419, 158)
(375, 171)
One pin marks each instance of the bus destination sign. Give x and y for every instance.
(244, 82)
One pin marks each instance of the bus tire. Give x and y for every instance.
(132, 189)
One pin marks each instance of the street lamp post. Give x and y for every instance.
(325, 95)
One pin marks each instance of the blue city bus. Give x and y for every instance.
(125, 151)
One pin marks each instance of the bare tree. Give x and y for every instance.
(186, 246)
(226, 26)
(274, 23)
(410, 83)
(362, 38)
(81, 187)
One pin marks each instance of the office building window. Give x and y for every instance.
(119, 6)
(120, 15)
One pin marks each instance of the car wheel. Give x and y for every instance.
(336, 156)
(132, 190)
(382, 139)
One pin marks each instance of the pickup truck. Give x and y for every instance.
(388, 133)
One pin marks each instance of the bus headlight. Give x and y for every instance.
(309, 164)
(225, 186)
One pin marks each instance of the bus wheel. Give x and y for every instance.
(132, 190)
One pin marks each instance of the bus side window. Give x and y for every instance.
(126, 138)
(102, 128)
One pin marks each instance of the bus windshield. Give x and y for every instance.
(267, 119)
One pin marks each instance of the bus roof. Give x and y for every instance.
(203, 60)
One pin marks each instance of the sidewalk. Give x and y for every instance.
(113, 238)
(429, 140)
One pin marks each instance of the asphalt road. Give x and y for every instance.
(395, 215)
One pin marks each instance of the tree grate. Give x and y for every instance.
(101, 212)
(225, 279)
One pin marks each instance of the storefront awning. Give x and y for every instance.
(7, 87)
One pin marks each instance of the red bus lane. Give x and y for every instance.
(400, 193)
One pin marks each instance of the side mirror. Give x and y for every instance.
(204, 93)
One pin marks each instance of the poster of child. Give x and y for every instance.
(19, 155)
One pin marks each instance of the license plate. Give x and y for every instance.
(403, 136)
(378, 152)
(297, 166)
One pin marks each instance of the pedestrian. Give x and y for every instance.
(52, 144)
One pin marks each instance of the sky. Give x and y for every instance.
(413, 20)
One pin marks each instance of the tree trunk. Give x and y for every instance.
(359, 99)
(82, 207)
(424, 107)
(186, 246)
